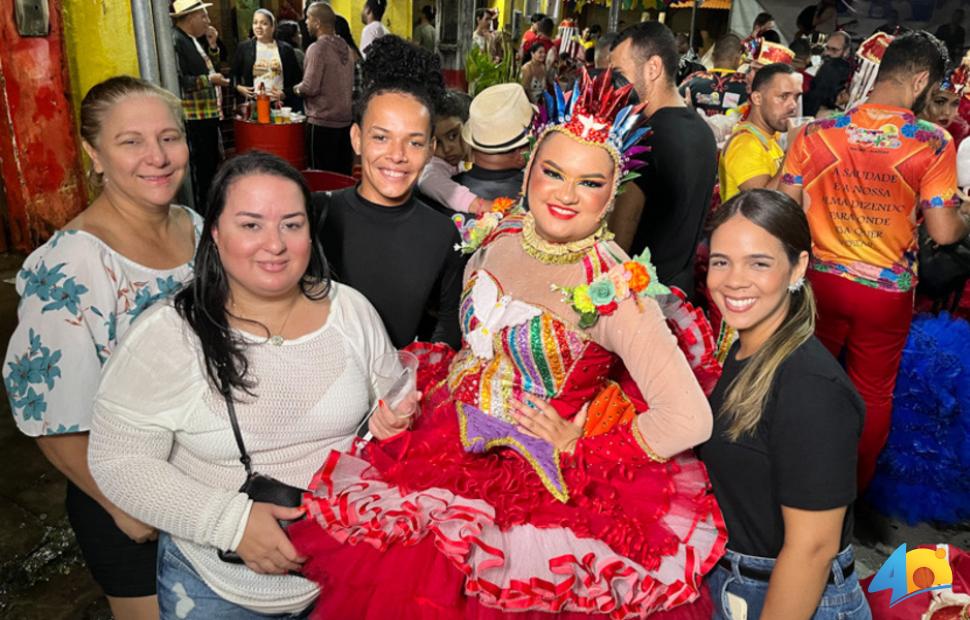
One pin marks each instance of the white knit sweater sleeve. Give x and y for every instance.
(357, 319)
(148, 389)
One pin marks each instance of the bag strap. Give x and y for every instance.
(244, 458)
(320, 204)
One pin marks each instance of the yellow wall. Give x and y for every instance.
(398, 17)
(506, 7)
(100, 42)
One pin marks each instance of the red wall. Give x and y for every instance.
(39, 160)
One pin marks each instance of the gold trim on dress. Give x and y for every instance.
(509, 442)
(558, 253)
(638, 437)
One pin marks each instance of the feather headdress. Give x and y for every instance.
(594, 112)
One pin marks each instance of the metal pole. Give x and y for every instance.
(466, 25)
(614, 21)
(693, 20)
(168, 70)
(141, 15)
(166, 51)
(555, 9)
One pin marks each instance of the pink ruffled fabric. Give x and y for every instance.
(415, 527)
(549, 570)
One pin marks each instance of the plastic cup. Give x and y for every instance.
(395, 375)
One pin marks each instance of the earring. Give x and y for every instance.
(796, 285)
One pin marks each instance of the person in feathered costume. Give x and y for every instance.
(536, 480)
(923, 473)
(943, 105)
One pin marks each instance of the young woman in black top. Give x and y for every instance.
(787, 420)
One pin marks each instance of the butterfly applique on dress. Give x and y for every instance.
(494, 313)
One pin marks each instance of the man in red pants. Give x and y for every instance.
(865, 179)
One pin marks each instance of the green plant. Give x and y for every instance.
(481, 70)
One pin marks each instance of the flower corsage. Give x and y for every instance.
(601, 297)
(474, 230)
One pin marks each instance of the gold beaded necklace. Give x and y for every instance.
(558, 253)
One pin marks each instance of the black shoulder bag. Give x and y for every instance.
(943, 270)
(258, 487)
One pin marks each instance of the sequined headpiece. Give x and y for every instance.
(766, 53)
(874, 48)
(869, 57)
(958, 80)
(594, 112)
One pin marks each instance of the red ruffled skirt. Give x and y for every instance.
(415, 527)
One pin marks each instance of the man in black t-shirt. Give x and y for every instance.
(666, 208)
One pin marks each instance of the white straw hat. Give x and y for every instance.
(184, 7)
(499, 119)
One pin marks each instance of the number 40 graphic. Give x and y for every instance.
(907, 574)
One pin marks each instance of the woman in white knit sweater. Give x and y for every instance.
(261, 318)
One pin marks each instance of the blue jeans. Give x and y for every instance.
(183, 595)
(842, 600)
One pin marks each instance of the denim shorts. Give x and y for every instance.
(842, 599)
(183, 595)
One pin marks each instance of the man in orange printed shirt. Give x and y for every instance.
(865, 179)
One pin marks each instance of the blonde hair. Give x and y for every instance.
(747, 396)
(103, 96)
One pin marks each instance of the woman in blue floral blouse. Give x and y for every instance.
(81, 290)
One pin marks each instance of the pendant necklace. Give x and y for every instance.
(277, 339)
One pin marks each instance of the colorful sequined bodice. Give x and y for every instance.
(529, 352)
(517, 350)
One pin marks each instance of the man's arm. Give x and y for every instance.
(792, 191)
(314, 67)
(193, 83)
(793, 168)
(449, 288)
(763, 181)
(625, 218)
(946, 226)
(945, 214)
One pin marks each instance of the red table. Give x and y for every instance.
(285, 140)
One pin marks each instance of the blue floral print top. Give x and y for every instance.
(77, 298)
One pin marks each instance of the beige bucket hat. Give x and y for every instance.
(184, 7)
(499, 119)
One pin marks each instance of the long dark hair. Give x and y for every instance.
(202, 303)
(783, 219)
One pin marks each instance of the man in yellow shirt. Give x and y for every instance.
(752, 157)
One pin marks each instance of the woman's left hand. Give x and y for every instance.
(387, 422)
(543, 421)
